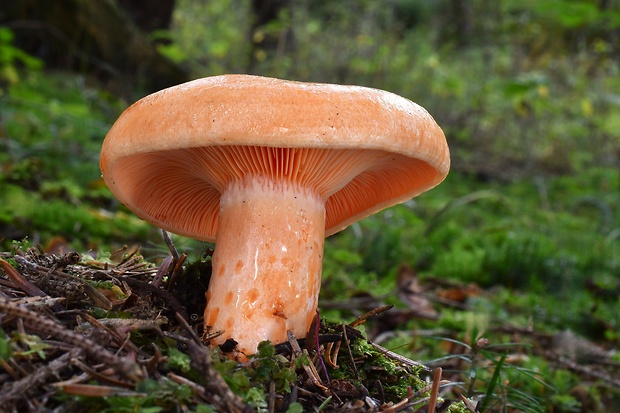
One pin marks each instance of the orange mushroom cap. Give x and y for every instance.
(169, 155)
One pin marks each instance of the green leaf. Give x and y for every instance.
(178, 360)
(295, 408)
(492, 384)
(5, 346)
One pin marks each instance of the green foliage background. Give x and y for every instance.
(529, 101)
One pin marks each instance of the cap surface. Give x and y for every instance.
(169, 155)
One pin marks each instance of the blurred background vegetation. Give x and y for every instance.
(527, 92)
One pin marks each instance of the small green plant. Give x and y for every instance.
(5, 346)
(252, 382)
(21, 245)
(29, 345)
(11, 57)
(178, 360)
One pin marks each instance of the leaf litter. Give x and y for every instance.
(115, 334)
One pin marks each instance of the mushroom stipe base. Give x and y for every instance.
(267, 263)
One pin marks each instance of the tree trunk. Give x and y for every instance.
(92, 37)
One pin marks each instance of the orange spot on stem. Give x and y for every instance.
(212, 318)
(253, 295)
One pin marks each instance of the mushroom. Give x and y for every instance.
(266, 169)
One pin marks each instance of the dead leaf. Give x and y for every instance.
(413, 294)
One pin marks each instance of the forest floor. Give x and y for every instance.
(121, 334)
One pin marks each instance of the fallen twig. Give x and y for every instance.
(20, 388)
(581, 369)
(220, 394)
(21, 282)
(434, 390)
(310, 370)
(94, 294)
(35, 321)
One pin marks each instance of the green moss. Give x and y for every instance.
(252, 381)
(373, 368)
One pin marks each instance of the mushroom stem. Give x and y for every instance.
(267, 263)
